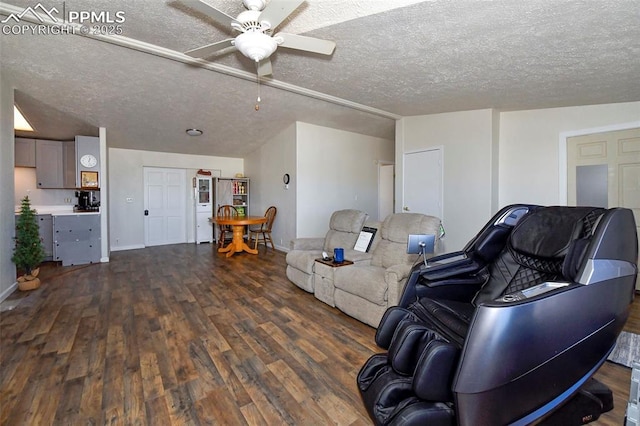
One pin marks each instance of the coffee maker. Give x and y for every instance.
(88, 201)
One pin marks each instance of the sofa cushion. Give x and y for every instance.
(347, 221)
(367, 282)
(395, 230)
(344, 228)
(389, 253)
(334, 239)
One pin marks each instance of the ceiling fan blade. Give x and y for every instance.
(209, 49)
(309, 44)
(278, 10)
(215, 14)
(264, 67)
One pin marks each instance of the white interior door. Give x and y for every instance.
(422, 192)
(604, 169)
(165, 195)
(385, 190)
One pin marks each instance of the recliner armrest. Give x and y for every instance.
(358, 257)
(397, 272)
(307, 244)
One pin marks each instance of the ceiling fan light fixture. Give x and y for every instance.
(194, 132)
(255, 45)
(254, 4)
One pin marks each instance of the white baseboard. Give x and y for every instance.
(282, 248)
(8, 291)
(133, 247)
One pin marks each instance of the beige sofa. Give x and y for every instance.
(375, 281)
(344, 228)
(365, 290)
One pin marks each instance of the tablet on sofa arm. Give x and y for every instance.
(421, 243)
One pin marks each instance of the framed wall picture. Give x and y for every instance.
(88, 179)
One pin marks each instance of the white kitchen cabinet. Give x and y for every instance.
(45, 230)
(69, 164)
(203, 209)
(55, 164)
(49, 164)
(25, 152)
(77, 238)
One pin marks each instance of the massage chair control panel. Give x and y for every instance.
(532, 291)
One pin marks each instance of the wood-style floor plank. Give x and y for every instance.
(179, 335)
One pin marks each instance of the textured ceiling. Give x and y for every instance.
(393, 58)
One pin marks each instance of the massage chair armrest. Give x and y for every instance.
(446, 257)
(462, 289)
(307, 244)
(458, 287)
(449, 265)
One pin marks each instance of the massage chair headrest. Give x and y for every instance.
(548, 232)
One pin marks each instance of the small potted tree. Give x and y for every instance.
(28, 252)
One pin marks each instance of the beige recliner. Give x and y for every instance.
(365, 290)
(344, 228)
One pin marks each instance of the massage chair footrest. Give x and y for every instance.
(593, 399)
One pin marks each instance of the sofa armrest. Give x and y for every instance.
(395, 277)
(307, 244)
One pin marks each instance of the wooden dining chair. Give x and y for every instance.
(263, 233)
(229, 211)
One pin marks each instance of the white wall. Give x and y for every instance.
(524, 144)
(265, 168)
(529, 147)
(335, 170)
(7, 218)
(470, 187)
(126, 180)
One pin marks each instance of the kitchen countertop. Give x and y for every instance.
(61, 210)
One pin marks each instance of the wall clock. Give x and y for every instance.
(88, 160)
(285, 178)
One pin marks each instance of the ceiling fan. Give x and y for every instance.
(256, 25)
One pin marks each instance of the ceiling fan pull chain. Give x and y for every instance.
(258, 100)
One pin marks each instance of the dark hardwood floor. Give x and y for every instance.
(181, 335)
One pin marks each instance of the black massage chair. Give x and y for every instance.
(511, 329)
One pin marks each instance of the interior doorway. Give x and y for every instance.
(603, 169)
(165, 206)
(422, 192)
(386, 183)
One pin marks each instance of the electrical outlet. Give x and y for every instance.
(129, 200)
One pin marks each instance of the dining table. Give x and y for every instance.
(237, 224)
